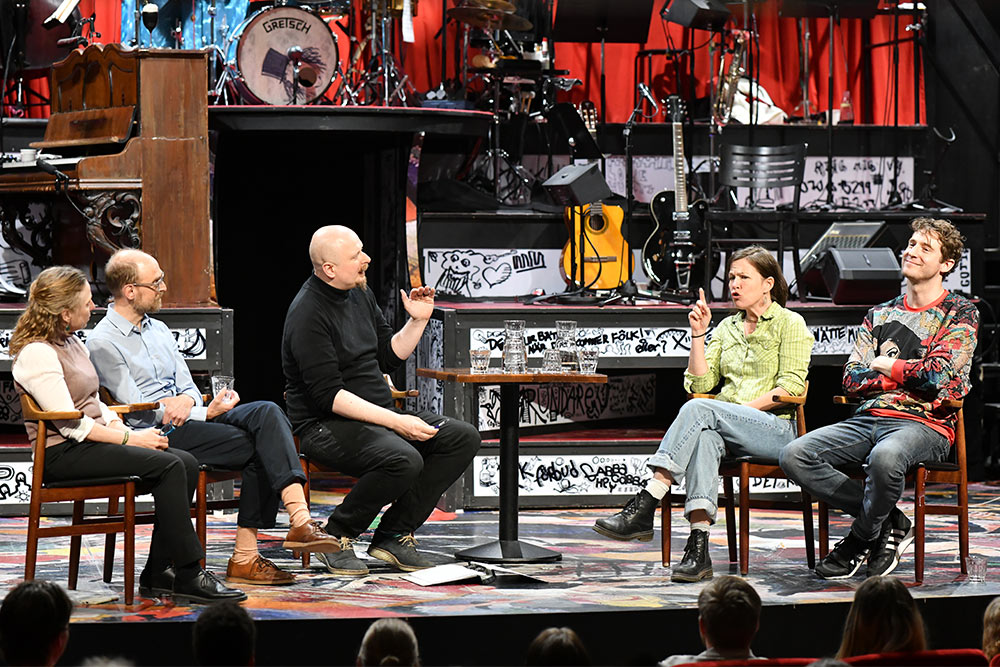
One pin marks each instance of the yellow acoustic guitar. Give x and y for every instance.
(604, 253)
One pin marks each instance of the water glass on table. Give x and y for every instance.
(479, 360)
(552, 361)
(222, 383)
(588, 358)
(514, 355)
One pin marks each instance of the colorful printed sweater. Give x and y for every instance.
(933, 347)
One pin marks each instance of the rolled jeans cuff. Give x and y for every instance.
(664, 461)
(692, 504)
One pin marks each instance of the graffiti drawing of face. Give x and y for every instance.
(460, 272)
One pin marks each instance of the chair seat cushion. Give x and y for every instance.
(93, 481)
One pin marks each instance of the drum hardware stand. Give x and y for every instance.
(382, 74)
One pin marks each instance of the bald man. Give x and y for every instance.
(137, 360)
(335, 348)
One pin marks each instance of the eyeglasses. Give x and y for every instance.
(155, 285)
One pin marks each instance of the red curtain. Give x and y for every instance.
(777, 55)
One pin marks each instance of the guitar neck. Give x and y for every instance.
(680, 171)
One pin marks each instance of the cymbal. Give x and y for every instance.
(498, 5)
(489, 19)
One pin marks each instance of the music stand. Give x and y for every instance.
(833, 10)
(591, 21)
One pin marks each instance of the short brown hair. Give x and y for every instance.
(952, 241)
(121, 270)
(729, 608)
(883, 619)
(991, 629)
(768, 267)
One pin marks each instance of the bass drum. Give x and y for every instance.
(262, 69)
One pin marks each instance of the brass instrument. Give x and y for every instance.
(729, 81)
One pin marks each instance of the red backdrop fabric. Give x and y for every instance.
(776, 51)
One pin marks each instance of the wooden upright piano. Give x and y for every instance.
(128, 135)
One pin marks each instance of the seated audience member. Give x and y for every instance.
(557, 646)
(757, 352)
(224, 634)
(53, 366)
(728, 618)
(883, 619)
(137, 360)
(911, 355)
(991, 629)
(34, 623)
(389, 641)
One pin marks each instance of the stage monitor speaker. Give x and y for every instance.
(861, 275)
(577, 184)
(701, 14)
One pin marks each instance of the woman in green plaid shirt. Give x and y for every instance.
(761, 350)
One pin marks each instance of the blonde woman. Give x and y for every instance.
(52, 365)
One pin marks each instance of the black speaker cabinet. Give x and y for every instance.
(861, 275)
(577, 184)
(702, 14)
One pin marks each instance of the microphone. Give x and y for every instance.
(294, 54)
(644, 91)
(49, 169)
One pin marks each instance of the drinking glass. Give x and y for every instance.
(566, 344)
(222, 383)
(552, 361)
(975, 565)
(588, 360)
(514, 355)
(479, 359)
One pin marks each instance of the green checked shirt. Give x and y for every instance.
(776, 354)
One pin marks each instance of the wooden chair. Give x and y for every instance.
(953, 471)
(317, 471)
(206, 474)
(78, 491)
(745, 467)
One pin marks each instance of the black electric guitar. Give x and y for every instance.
(674, 254)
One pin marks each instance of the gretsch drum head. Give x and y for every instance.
(262, 55)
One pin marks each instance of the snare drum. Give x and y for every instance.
(260, 65)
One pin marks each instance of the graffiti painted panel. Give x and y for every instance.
(541, 404)
(430, 354)
(586, 474)
(190, 342)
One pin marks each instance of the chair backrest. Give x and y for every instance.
(764, 167)
(947, 656)
(31, 412)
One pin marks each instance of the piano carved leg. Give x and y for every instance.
(40, 226)
(118, 212)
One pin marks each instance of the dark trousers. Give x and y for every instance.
(162, 474)
(410, 474)
(256, 439)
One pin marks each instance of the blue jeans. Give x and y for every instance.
(885, 447)
(702, 432)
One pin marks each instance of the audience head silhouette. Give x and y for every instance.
(991, 629)
(224, 634)
(557, 646)
(883, 619)
(34, 623)
(728, 614)
(389, 641)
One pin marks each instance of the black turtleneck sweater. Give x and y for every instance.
(334, 339)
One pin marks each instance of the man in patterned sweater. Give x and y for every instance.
(912, 354)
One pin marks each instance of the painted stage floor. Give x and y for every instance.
(594, 575)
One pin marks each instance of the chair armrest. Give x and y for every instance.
(792, 400)
(843, 400)
(132, 407)
(30, 410)
(690, 396)
(400, 393)
(951, 403)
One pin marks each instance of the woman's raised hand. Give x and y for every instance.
(700, 316)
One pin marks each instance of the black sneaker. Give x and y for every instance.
(399, 551)
(634, 522)
(846, 559)
(893, 541)
(696, 563)
(344, 561)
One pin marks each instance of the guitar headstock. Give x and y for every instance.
(588, 112)
(676, 109)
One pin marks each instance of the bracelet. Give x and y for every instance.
(125, 437)
(701, 335)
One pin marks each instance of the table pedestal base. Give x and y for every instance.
(509, 551)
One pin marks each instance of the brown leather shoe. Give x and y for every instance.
(311, 537)
(260, 572)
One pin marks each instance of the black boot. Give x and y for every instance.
(635, 522)
(696, 564)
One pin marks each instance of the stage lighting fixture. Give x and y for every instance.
(700, 14)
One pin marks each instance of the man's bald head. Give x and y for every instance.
(337, 257)
(125, 267)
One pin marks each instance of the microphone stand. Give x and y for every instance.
(628, 290)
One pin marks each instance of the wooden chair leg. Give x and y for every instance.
(727, 487)
(824, 528)
(74, 546)
(31, 548)
(919, 505)
(109, 543)
(306, 488)
(744, 518)
(129, 543)
(201, 512)
(807, 529)
(665, 528)
(963, 525)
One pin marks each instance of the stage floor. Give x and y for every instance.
(595, 576)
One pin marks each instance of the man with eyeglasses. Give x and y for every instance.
(137, 361)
